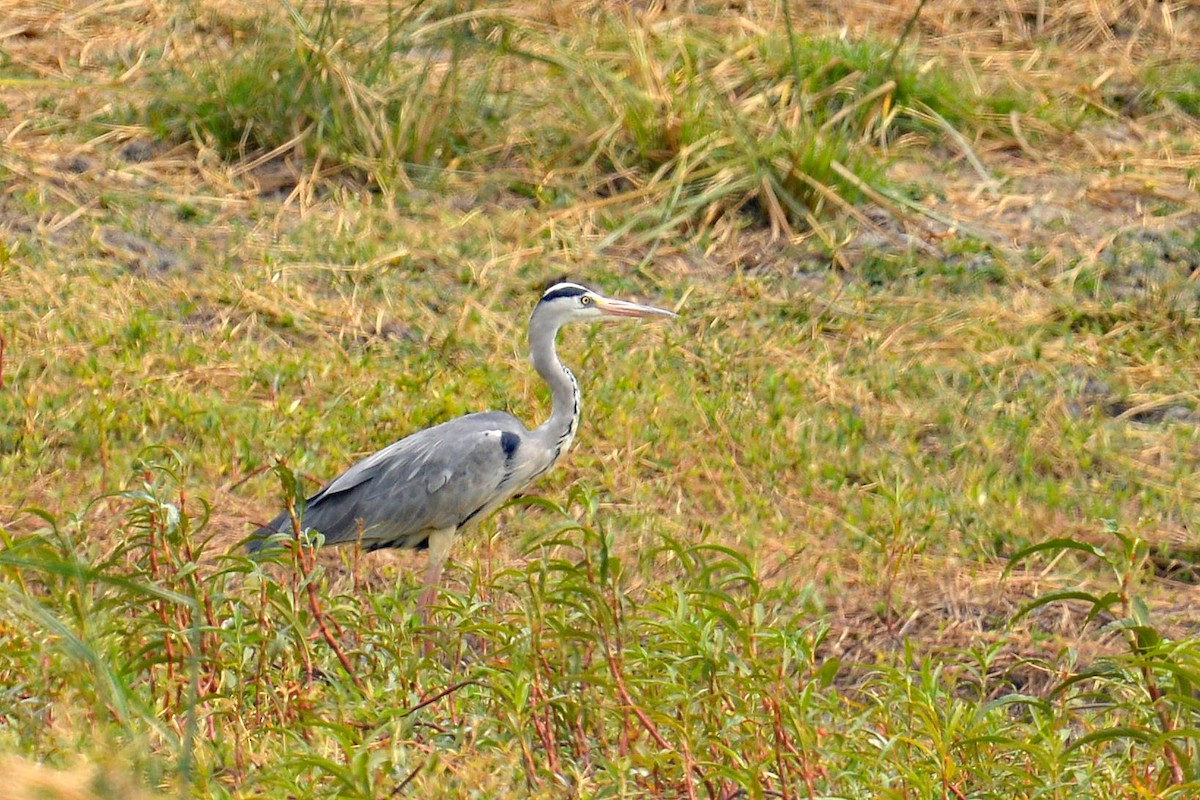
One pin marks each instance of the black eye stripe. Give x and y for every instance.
(564, 291)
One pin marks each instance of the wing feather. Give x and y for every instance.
(434, 479)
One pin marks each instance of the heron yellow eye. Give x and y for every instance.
(585, 301)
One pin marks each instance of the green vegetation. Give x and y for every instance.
(903, 505)
(419, 93)
(688, 122)
(673, 671)
(1174, 85)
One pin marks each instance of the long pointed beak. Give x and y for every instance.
(621, 308)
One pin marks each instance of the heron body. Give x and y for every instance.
(419, 492)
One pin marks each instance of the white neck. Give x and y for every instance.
(556, 433)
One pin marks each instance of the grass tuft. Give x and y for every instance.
(420, 91)
(676, 127)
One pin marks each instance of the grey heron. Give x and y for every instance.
(420, 491)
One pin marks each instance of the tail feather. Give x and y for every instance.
(258, 540)
(336, 522)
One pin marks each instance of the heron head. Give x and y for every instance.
(570, 302)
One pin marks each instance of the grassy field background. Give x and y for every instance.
(903, 505)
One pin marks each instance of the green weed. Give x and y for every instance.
(1173, 85)
(1144, 696)
(675, 670)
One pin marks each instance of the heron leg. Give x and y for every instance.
(439, 548)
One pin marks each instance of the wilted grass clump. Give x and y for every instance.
(664, 126)
(415, 87)
(694, 123)
(695, 126)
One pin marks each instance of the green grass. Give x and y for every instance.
(1174, 85)
(917, 442)
(685, 126)
(673, 670)
(772, 563)
(379, 102)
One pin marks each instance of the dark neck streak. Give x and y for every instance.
(557, 432)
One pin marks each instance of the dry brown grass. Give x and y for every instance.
(24, 780)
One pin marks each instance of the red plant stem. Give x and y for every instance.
(161, 605)
(1165, 720)
(404, 783)
(329, 637)
(543, 726)
(780, 740)
(647, 724)
(261, 667)
(1164, 717)
(307, 562)
(301, 563)
(530, 770)
(451, 689)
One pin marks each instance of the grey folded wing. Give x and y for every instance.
(441, 477)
